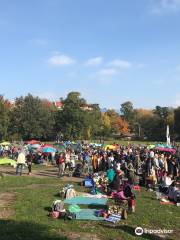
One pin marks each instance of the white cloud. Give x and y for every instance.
(165, 6)
(120, 63)
(108, 72)
(94, 61)
(60, 60)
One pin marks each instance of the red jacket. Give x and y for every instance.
(60, 160)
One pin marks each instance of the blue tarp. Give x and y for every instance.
(86, 201)
(88, 214)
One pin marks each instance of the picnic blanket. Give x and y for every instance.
(86, 201)
(88, 214)
(97, 196)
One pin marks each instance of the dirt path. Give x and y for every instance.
(5, 205)
(45, 172)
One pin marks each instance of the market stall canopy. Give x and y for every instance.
(168, 150)
(5, 143)
(35, 146)
(152, 146)
(162, 145)
(47, 145)
(48, 150)
(75, 146)
(96, 145)
(110, 147)
(6, 161)
(59, 146)
(33, 142)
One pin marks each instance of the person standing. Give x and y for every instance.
(130, 173)
(61, 164)
(29, 159)
(67, 160)
(94, 162)
(20, 162)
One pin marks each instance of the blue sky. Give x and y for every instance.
(109, 50)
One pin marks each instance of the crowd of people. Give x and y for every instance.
(115, 170)
(138, 164)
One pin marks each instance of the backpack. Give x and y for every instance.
(57, 206)
(55, 214)
(69, 216)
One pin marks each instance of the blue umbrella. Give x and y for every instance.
(48, 150)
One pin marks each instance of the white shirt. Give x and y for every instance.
(67, 157)
(21, 158)
(151, 154)
(156, 161)
(118, 166)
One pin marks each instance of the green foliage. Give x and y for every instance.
(71, 121)
(177, 122)
(153, 123)
(4, 117)
(127, 111)
(30, 118)
(162, 120)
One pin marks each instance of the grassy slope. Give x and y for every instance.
(34, 197)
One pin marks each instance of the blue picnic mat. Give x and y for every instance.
(88, 214)
(86, 201)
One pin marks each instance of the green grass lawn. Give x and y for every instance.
(33, 199)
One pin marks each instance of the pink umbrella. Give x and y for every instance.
(169, 150)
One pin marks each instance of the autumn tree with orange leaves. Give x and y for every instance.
(121, 126)
(118, 124)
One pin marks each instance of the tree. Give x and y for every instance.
(71, 121)
(4, 117)
(31, 118)
(128, 113)
(105, 125)
(177, 122)
(164, 116)
(93, 121)
(118, 124)
(121, 126)
(142, 117)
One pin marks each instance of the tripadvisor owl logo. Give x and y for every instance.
(139, 231)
